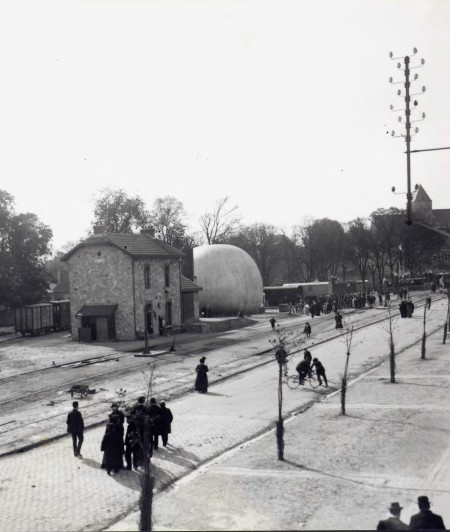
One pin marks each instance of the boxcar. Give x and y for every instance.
(61, 315)
(34, 319)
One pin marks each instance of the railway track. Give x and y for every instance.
(169, 387)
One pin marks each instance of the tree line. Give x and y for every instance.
(377, 247)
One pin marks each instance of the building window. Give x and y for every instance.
(168, 312)
(147, 276)
(167, 274)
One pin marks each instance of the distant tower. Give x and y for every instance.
(422, 205)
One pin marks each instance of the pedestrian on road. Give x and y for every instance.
(75, 426)
(338, 319)
(307, 329)
(425, 519)
(307, 356)
(112, 447)
(117, 417)
(409, 308)
(132, 444)
(154, 413)
(201, 382)
(272, 322)
(320, 371)
(166, 423)
(429, 302)
(393, 523)
(140, 405)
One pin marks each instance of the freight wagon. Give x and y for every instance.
(42, 317)
(34, 319)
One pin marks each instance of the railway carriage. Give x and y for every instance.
(34, 319)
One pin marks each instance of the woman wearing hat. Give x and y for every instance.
(201, 382)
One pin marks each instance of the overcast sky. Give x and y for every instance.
(281, 105)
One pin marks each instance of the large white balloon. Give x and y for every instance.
(229, 278)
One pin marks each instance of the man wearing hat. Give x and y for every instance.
(393, 523)
(425, 519)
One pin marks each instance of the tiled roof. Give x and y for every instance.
(189, 286)
(442, 217)
(134, 245)
(96, 310)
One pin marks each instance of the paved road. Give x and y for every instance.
(205, 427)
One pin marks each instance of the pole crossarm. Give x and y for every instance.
(429, 149)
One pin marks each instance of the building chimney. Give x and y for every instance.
(150, 231)
(99, 229)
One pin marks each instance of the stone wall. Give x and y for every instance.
(158, 294)
(103, 274)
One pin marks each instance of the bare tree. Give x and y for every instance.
(221, 223)
(348, 336)
(424, 334)
(391, 348)
(146, 479)
(281, 348)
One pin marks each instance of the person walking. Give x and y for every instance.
(272, 322)
(307, 329)
(75, 427)
(166, 423)
(154, 413)
(201, 382)
(338, 319)
(429, 302)
(394, 522)
(320, 371)
(112, 447)
(425, 519)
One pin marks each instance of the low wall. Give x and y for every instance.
(218, 326)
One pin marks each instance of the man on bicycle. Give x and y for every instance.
(303, 368)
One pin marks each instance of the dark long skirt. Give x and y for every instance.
(201, 382)
(112, 447)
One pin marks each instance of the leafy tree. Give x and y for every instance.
(260, 241)
(24, 245)
(323, 243)
(118, 212)
(221, 223)
(167, 218)
(360, 242)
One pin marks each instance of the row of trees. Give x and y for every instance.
(379, 247)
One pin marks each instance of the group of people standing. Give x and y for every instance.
(425, 519)
(307, 365)
(145, 424)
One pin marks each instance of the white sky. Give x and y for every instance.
(281, 105)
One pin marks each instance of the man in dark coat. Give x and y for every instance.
(394, 522)
(338, 320)
(409, 308)
(75, 426)
(303, 368)
(112, 447)
(320, 371)
(132, 444)
(166, 423)
(272, 322)
(117, 417)
(425, 519)
(201, 382)
(154, 413)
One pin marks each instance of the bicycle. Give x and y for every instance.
(293, 380)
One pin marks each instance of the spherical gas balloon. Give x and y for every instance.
(229, 278)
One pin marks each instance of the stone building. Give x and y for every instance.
(119, 282)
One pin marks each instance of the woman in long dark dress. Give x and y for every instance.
(112, 446)
(201, 382)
